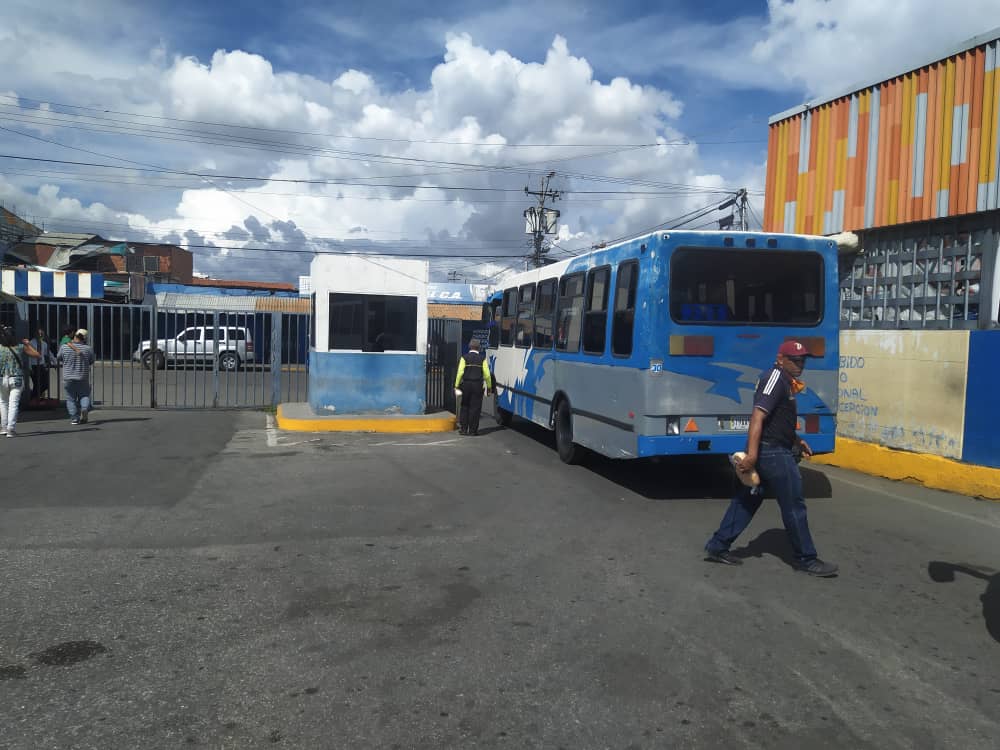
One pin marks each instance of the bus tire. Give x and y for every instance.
(569, 452)
(503, 416)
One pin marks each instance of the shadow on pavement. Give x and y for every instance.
(771, 542)
(944, 572)
(668, 477)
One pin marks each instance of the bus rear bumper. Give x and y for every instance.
(679, 445)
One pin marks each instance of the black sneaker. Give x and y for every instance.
(74, 420)
(725, 557)
(818, 568)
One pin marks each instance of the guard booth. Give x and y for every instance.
(369, 349)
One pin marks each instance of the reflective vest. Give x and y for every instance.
(473, 372)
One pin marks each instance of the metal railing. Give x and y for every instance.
(178, 358)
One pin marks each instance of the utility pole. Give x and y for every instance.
(539, 220)
(740, 203)
(742, 208)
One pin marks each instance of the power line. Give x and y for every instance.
(106, 111)
(296, 181)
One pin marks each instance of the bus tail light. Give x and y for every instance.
(812, 423)
(673, 425)
(692, 346)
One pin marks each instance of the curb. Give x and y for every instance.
(361, 423)
(921, 468)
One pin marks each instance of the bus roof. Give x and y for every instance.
(679, 236)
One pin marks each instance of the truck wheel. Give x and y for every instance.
(229, 361)
(147, 360)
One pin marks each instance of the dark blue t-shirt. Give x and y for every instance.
(774, 396)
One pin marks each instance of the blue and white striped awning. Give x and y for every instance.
(52, 284)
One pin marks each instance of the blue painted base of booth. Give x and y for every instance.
(367, 383)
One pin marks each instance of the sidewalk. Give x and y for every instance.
(921, 468)
(299, 417)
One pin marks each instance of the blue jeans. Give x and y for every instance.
(779, 475)
(77, 397)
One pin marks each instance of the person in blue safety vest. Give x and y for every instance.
(472, 380)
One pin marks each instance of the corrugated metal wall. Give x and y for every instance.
(920, 146)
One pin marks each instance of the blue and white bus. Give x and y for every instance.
(653, 346)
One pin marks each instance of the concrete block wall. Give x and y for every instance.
(920, 406)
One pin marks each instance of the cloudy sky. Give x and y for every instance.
(257, 136)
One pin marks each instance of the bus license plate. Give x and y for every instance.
(736, 424)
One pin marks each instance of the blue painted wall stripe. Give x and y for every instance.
(871, 175)
(48, 285)
(790, 217)
(919, 144)
(804, 135)
(367, 383)
(72, 285)
(21, 283)
(981, 441)
(852, 129)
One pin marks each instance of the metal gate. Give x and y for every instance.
(180, 358)
(444, 348)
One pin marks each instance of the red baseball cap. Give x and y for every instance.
(793, 349)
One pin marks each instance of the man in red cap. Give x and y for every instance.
(772, 444)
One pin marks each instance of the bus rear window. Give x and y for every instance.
(709, 286)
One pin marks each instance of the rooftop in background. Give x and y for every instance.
(273, 286)
(60, 239)
(13, 227)
(907, 66)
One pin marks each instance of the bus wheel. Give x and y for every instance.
(569, 452)
(503, 416)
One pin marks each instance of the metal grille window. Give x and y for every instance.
(922, 279)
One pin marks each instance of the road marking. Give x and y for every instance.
(272, 432)
(930, 506)
(432, 442)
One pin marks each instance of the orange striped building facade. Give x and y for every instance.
(920, 146)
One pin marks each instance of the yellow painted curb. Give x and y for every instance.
(366, 424)
(931, 471)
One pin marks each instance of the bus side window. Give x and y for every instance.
(570, 316)
(524, 332)
(623, 322)
(509, 316)
(595, 322)
(545, 305)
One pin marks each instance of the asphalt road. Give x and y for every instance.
(178, 579)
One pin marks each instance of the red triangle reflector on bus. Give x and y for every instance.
(692, 426)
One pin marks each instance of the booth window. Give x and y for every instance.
(373, 322)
